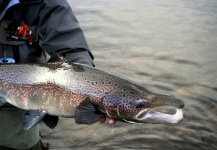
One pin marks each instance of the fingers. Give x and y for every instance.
(103, 119)
(112, 121)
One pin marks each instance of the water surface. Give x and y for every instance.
(169, 46)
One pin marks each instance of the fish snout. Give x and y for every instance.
(156, 101)
(165, 100)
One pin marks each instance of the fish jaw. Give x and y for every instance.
(145, 110)
(150, 115)
(159, 117)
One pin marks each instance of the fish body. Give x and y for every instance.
(82, 92)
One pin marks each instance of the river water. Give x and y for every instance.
(169, 46)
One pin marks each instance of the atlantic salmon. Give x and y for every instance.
(81, 92)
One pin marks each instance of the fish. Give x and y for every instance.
(86, 93)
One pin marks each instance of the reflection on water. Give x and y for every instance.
(168, 46)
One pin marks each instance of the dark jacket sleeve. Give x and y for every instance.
(59, 31)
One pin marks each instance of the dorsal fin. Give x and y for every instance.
(57, 57)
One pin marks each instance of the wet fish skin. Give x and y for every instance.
(76, 90)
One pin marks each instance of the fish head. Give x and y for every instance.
(138, 105)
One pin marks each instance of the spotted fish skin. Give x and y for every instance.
(57, 88)
(60, 88)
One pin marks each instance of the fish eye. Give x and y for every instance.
(140, 103)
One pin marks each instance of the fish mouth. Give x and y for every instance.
(155, 111)
(152, 116)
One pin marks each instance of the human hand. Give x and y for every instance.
(111, 121)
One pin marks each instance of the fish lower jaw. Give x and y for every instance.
(158, 117)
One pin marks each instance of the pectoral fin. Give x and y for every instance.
(32, 118)
(88, 113)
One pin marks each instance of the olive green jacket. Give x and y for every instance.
(54, 28)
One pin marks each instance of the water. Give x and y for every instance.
(168, 46)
